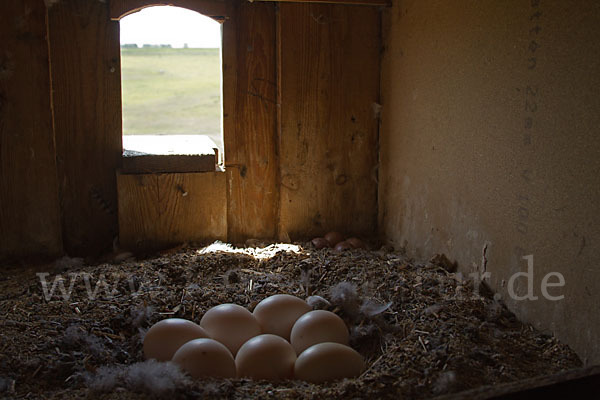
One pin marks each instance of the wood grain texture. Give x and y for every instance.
(29, 212)
(576, 383)
(211, 8)
(250, 112)
(350, 2)
(171, 163)
(329, 81)
(84, 51)
(161, 210)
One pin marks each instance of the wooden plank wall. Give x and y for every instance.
(329, 82)
(29, 212)
(161, 210)
(85, 56)
(300, 81)
(250, 122)
(210, 8)
(340, 2)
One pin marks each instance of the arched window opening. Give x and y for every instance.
(171, 82)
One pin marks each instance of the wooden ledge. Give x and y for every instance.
(175, 163)
(150, 154)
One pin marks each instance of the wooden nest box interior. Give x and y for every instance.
(455, 138)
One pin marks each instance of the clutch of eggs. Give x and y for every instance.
(281, 339)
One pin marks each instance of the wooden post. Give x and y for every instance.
(29, 211)
(85, 56)
(329, 81)
(250, 112)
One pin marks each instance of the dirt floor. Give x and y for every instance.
(436, 337)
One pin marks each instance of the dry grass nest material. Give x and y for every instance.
(421, 329)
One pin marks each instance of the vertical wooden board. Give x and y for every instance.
(85, 57)
(329, 77)
(160, 210)
(250, 122)
(29, 212)
(342, 2)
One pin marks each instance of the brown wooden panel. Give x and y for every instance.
(84, 51)
(579, 383)
(172, 163)
(329, 77)
(29, 212)
(350, 2)
(250, 121)
(162, 210)
(210, 8)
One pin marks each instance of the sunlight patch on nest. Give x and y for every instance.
(260, 253)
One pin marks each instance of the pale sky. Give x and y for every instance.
(170, 25)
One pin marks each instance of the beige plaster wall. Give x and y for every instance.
(490, 148)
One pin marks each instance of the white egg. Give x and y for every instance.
(231, 325)
(317, 327)
(269, 357)
(328, 361)
(165, 337)
(203, 358)
(277, 314)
